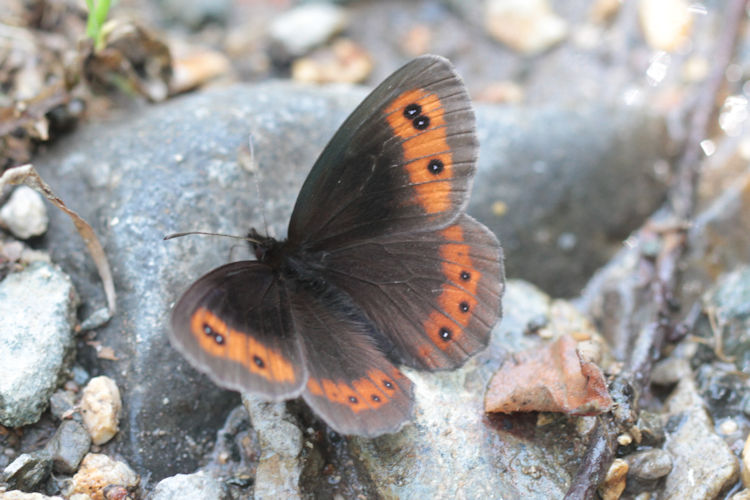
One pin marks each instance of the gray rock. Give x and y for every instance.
(279, 467)
(718, 240)
(669, 371)
(566, 183)
(651, 428)
(37, 314)
(177, 167)
(649, 464)
(61, 402)
(28, 470)
(703, 464)
(197, 486)
(68, 446)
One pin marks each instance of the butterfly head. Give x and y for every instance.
(265, 248)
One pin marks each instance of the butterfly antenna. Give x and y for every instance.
(247, 158)
(204, 233)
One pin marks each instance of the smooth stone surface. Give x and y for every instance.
(703, 465)
(183, 166)
(37, 315)
(68, 446)
(569, 183)
(197, 486)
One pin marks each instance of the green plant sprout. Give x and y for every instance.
(98, 10)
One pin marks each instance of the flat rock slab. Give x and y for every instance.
(234, 158)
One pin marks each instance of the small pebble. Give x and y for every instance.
(303, 28)
(196, 486)
(196, 68)
(25, 213)
(97, 472)
(68, 446)
(614, 482)
(728, 426)
(649, 464)
(603, 11)
(669, 371)
(343, 62)
(624, 439)
(666, 24)
(526, 26)
(28, 470)
(61, 402)
(100, 408)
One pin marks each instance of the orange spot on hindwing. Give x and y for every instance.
(457, 298)
(367, 393)
(217, 339)
(417, 117)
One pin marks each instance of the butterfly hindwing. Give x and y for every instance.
(402, 161)
(235, 324)
(435, 295)
(351, 384)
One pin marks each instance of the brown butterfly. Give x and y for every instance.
(381, 266)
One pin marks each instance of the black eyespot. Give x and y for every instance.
(465, 275)
(464, 306)
(376, 398)
(435, 166)
(208, 330)
(219, 339)
(387, 384)
(421, 122)
(412, 110)
(445, 333)
(353, 400)
(258, 362)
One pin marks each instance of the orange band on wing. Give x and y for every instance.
(367, 393)
(457, 298)
(217, 339)
(427, 155)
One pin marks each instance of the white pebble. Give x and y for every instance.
(25, 214)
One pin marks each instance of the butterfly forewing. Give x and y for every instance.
(235, 324)
(435, 295)
(403, 161)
